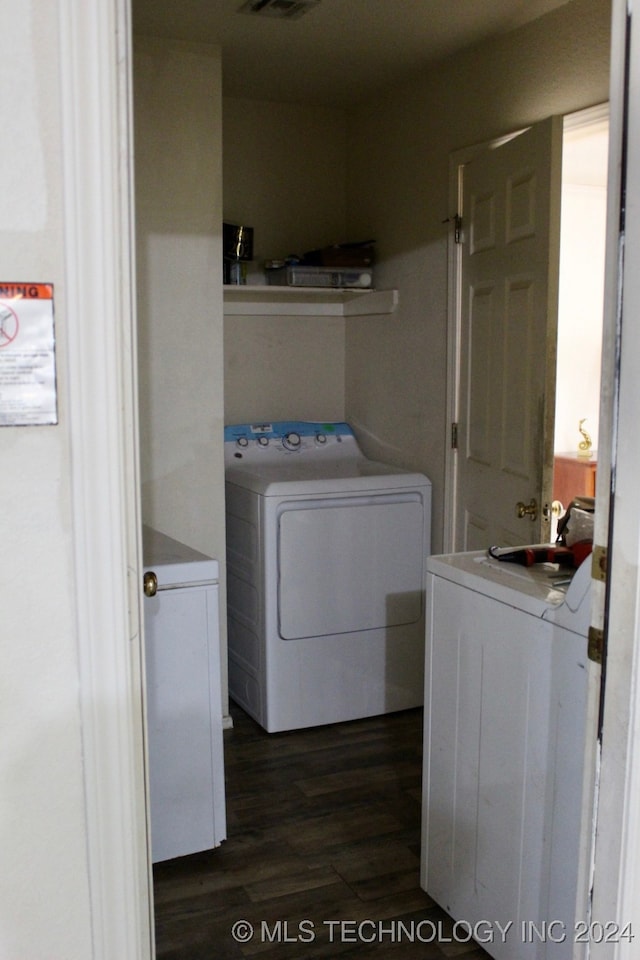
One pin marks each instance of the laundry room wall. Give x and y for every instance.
(399, 149)
(284, 368)
(177, 97)
(178, 174)
(284, 174)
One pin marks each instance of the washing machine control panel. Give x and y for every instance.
(249, 441)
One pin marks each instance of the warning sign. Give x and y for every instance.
(27, 355)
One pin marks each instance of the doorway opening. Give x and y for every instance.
(580, 304)
(567, 434)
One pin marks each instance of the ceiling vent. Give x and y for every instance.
(279, 9)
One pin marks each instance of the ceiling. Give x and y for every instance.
(341, 52)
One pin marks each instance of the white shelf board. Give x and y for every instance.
(270, 301)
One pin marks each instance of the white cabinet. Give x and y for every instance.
(505, 707)
(183, 700)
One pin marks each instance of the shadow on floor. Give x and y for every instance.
(322, 855)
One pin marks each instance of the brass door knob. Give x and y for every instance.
(527, 509)
(150, 584)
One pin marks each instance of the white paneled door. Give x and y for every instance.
(509, 261)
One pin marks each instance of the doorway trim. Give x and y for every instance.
(95, 64)
(615, 833)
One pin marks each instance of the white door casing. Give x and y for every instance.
(508, 261)
(612, 837)
(96, 56)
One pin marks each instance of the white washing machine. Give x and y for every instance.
(326, 568)
(504, 744)
(183, 698)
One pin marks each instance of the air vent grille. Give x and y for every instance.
(280, 9)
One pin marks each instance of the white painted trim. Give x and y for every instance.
(456, 164)
(593, 745)
(616, 876)
(587, 119)
(96, 118)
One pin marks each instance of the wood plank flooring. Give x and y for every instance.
(322, 856)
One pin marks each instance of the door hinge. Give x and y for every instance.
(595, 645)
(599, 563)
(454, 436)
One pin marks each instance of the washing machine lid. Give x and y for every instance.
(537, 590)
(175, 564)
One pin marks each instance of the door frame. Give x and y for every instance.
(613, 836)
(96, 117)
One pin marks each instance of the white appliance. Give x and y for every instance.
(183, 698)
(326, 554)
(504, 738)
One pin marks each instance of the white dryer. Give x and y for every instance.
(326, 572)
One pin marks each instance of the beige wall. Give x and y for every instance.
(284, 368)
(178, 170)
(44, 889)
(285, 174)
(179, 281)
(399, 151)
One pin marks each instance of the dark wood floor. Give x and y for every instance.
(322, 856)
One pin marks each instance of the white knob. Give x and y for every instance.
(242, 442)
(292, 440)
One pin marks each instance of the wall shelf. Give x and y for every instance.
(270, 301)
